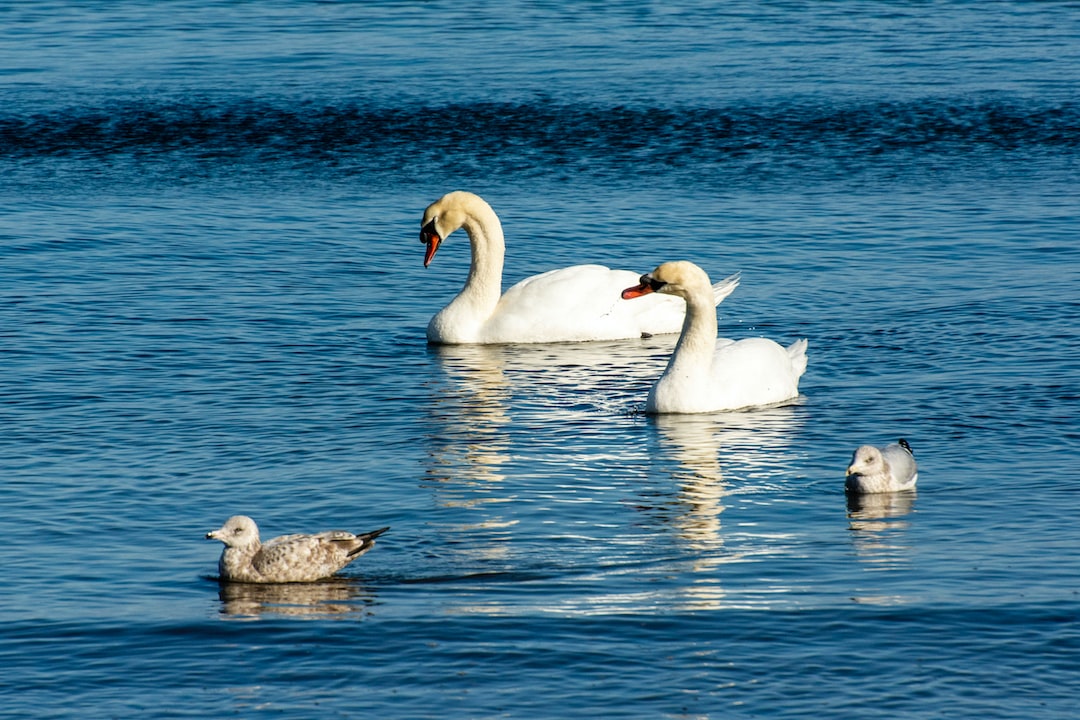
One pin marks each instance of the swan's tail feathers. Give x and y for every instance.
(725, 287)
(797, 352)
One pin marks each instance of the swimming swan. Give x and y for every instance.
(706, 374)
(568, 305)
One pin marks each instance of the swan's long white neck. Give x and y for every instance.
(483, 288)
(462, 319)
(693, 355)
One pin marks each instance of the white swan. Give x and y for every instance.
(571, 304)
(878, 470)
(706, 374)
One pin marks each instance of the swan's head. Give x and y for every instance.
(679, 277)
(238, 531)
(444, 216)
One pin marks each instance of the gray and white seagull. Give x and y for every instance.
(888, 469)
(288, 558)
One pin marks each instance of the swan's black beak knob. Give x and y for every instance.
(430, 237)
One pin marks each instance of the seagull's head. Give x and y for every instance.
(238, 531)
(866, 460)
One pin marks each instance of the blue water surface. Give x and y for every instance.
(213, 301)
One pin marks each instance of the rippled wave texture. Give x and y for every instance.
(536, 134)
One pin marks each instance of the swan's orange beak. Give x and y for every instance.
(429, 237)
(647, 286)
(636, 291)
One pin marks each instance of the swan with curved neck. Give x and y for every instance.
(706, 374)
(571, 304)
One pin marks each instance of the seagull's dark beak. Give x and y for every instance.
(430, 237)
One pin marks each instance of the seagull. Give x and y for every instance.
(887, 469)
(288, 558)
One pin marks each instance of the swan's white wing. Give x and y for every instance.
(583, 302)
(754, 372)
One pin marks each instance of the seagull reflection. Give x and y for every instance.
(334, 597)
(877, 528)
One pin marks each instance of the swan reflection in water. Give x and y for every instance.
(468, 445)
(491, 402)
(333, 597)
(755, 448)
(470, 414)
(494, 405)
(615, 375)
